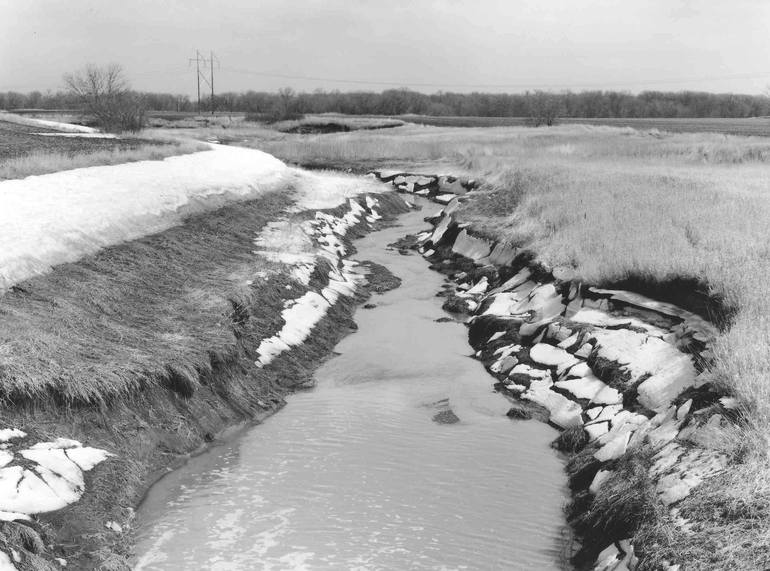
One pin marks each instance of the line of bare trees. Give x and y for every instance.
(104, 94)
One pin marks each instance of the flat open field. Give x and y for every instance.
(758, 126)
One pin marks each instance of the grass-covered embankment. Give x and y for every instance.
(642, 210)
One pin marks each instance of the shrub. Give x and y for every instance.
(105, 94)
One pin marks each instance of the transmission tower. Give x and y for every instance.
(200, 74)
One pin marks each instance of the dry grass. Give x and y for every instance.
(615, 203)
(42, 162)
(150, 312)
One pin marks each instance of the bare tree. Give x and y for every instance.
(285, 106)
(105, 94)
(544, 108)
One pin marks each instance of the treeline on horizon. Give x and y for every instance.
(684, 104)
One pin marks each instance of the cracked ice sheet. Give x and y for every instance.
(563, 411)
(54, 481)
(60, 217)
(602, 319)
(670, 370)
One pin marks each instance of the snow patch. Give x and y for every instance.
(52, 479)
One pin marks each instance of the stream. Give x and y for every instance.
(401, 457)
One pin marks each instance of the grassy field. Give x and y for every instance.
(619, 205)
(757, 126)
(25, 152)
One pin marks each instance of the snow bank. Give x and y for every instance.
(79, 135)
(66, 127)
(60, 217)
(298, 245)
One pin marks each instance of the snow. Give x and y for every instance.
(440, 230)
(614, 448)
(5, 458)
(670, 370)
(496, 336)
(287, 242)
(583, 387)
(57, 461)
(321, 190)
(598, 480)
(23, 491)
(299, 320)
(597, 429)
(470, 246)
(79, 135)
(60, 217)
(67, 127)
(58, 443)
(563, 411)
(502, 303)
(7, 434)
(52, 479)
(479, 288)
(292, 244)
(523, 369)
(550, 356)
(87, 457)
(13, 516)
(5, 562)
(444, 198)
(602, 319)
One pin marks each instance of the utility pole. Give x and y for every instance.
(211, 61)
(197, 61)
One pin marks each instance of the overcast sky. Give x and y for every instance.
(428, 45)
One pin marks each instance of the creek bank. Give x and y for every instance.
(623, 376)
(157, 427)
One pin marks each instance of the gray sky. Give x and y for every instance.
(429, 45)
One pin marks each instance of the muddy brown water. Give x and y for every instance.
(400, 458)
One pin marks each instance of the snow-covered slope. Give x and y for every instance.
(59, 126)
(60, 217)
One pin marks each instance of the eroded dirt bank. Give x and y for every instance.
(263, 352)
(623, 376)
